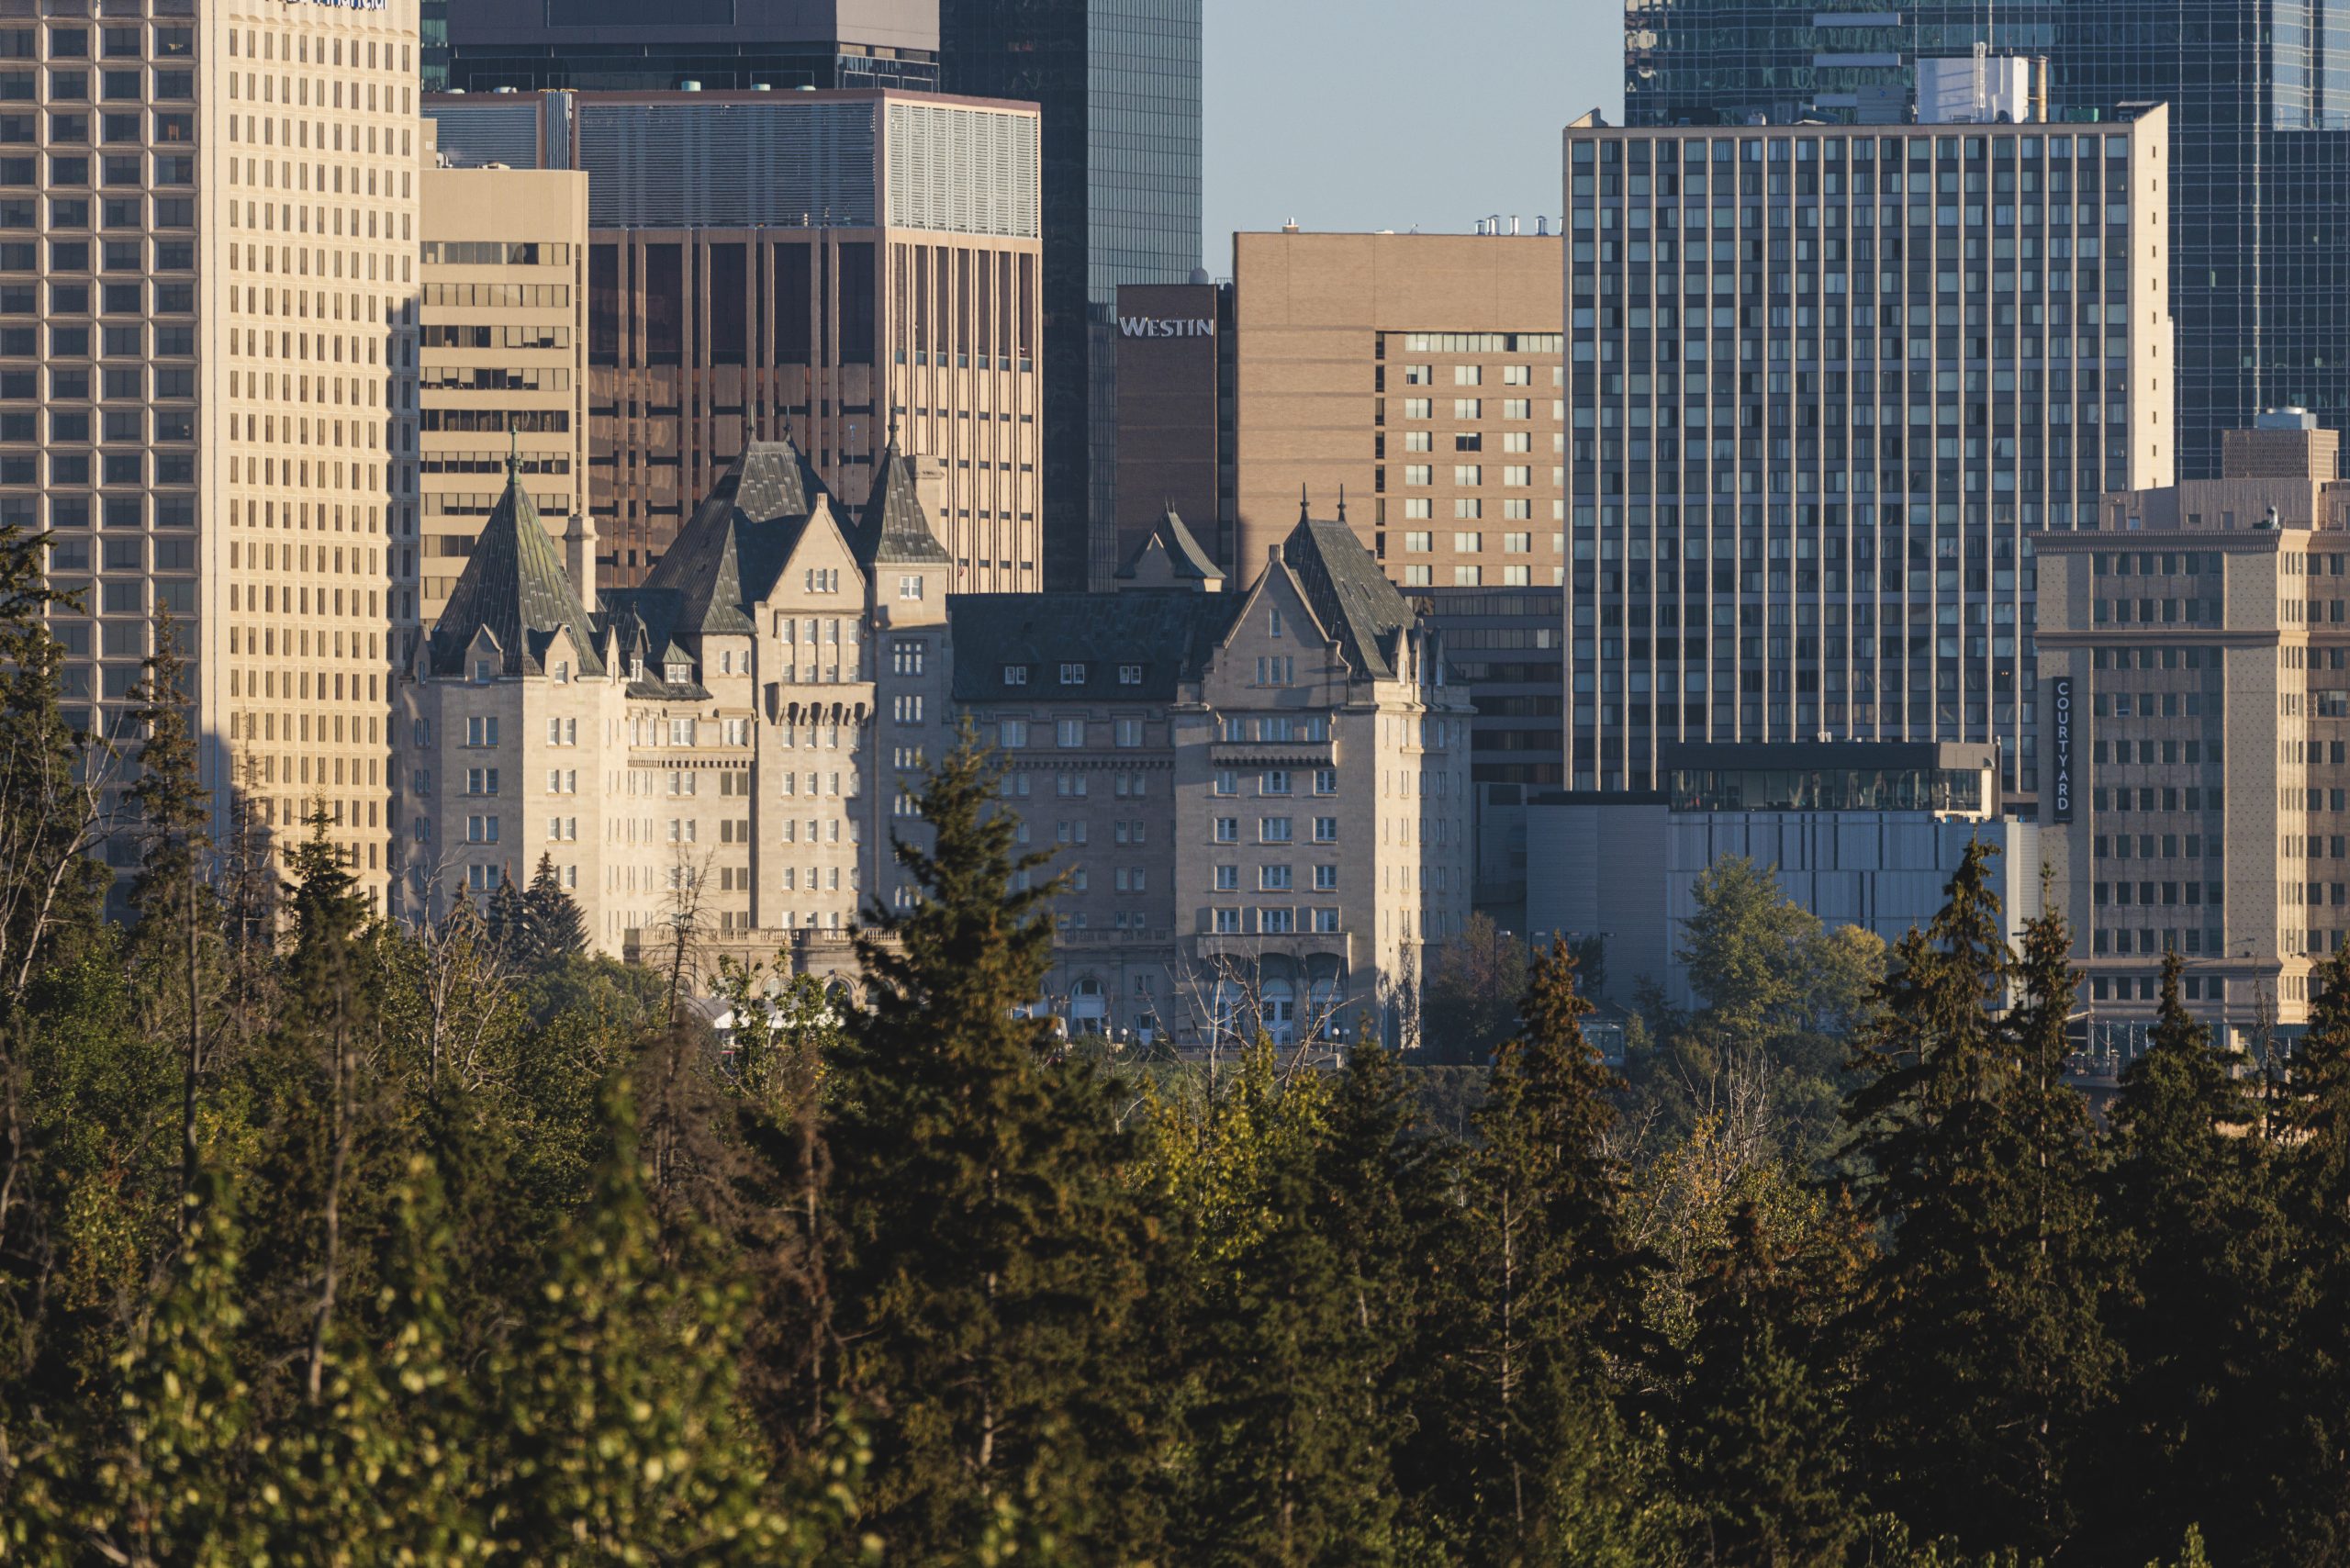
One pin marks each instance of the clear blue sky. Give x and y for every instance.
(1383, 114)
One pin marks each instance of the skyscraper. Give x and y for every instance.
(208, 237)
(1119, 85)
(2259, 150)
(1824, 383)
(656, 45)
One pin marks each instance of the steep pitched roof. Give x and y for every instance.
(895, 528)
(1185, 559)
(1168, 632)
(1350, 595)
(728, 555)
(515, 587)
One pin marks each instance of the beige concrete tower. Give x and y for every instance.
(308, 152)
(502, 348)
(207, 232)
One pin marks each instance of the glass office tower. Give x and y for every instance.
(1119, 85)
(1824, 383)
(2259, 178)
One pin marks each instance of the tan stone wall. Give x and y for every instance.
(534, 316)
(1315, 399)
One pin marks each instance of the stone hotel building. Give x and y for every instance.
(1258, 798)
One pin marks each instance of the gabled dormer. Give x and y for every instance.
(1171, 557)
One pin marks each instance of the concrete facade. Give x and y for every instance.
(1420, 373)
(2198, 637)
(502, 348)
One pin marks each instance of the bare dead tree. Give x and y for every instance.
(462, 978)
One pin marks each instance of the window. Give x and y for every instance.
(1011, 734)
(1326, 780)
(1516, 543)
(1277, 921)
(1326, 920)
(906, 707)
(1467, 375)
(481, 830)
(1517, 375)
(1326, 878)
(1227, 782)
(1072, 675)
(1467, 543)
(1419, 408)
(1467, 473)
(1130, 675)
(1227, 921)
(1129, 732)
(481, 781)
(1227, 830)
(1418, 543)
(1418, 474)
(1015, 675)
(1326, 830)
(1273, 783)
(1467, 408)
(1273, 878)
(1068, 732)
(563, 781)
(1418, 375)
(1227, 879)
(681, 732)
(1275, 670)
(1272, 830)
(910, 587)
(1273, 621)
(823, 580)
(484, 671)
(562, 731)
(481, 731)
(1419, 441)
(1418, 577)
(906, 655)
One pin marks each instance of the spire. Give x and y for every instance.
(1301, 503)
(513, 451)
(1342, 502)
(515, 587)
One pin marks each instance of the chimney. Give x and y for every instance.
(579, 558)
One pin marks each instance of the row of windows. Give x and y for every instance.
(1475, 408)
(1474, 576)
(1276, 830)
(1277, 781)
(1270, 921)
(1276, 878)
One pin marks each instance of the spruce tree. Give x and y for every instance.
(176, 908)
(2306, 1505)
(510, 922)
(1983, 1355)
(1532, 1458)
(989, 1296)
(2202, 1247)
(557, 929)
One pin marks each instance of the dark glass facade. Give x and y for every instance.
(434, 36)
(2259, 173)
(1119, 85)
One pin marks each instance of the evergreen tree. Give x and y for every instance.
(177, 910)
(1533, 1461)
(510, 922)
(2202, 1247)
(993, 1269)
(2306, 1464)
(557, 930)
(50, 775)
(625, 1434)
(1983, 1356)
(1764, 1419)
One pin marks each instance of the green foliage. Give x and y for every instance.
(1984, 1356)
(1471, 1002)
(994, 1255)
